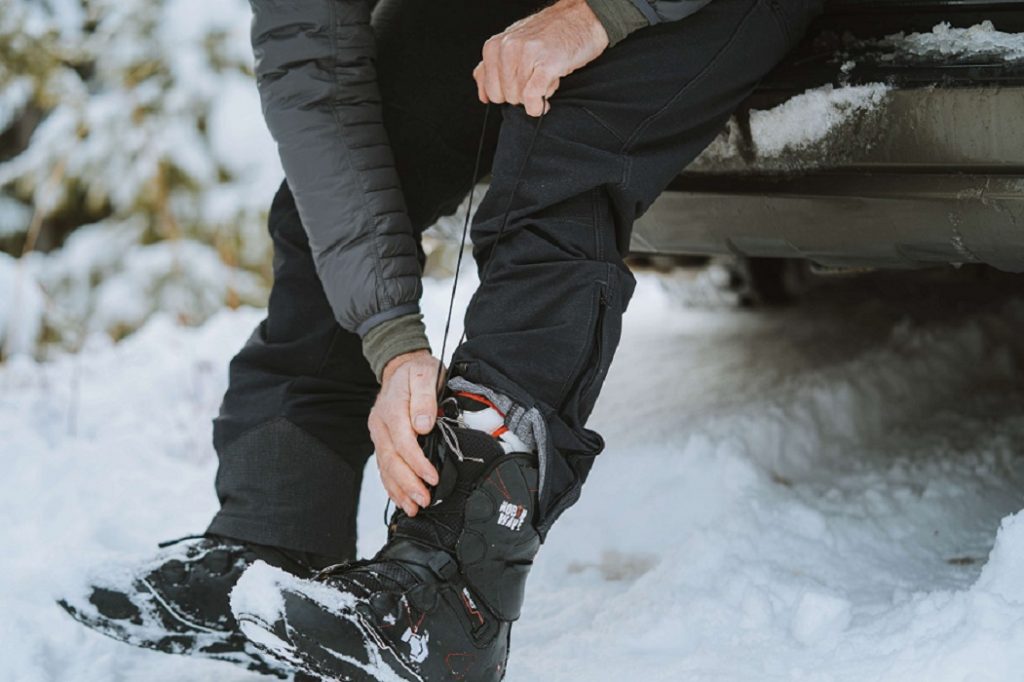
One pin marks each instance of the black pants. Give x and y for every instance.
(544, 325)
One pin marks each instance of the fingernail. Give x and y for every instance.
(420, 500)
(422, 422)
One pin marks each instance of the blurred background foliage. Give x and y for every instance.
(135, 167)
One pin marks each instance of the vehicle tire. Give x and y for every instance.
(767, 282)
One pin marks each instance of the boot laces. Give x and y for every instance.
(446, 426)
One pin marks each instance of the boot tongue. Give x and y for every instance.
(461, 456)
(476, 451)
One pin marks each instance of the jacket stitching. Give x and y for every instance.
(380, 291)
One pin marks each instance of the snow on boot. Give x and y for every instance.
(178, 601)
(437, 602)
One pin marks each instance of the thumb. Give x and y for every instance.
(423, 400)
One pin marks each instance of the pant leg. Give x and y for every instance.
(545, 323)
(427, 52)
(291, 435)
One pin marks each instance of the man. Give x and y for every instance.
(606, 100)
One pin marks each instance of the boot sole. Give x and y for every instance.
(345, 650)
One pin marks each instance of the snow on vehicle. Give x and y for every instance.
(890, 138)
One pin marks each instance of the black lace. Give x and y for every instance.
(167, 543)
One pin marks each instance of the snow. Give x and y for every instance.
(151, 118)
(14, 217)
(827, 493)
(258, 593)
(946, 41)
(800, 122)
(257, 599)
(103, 280)
(238, 133)
(21, 313)
(811, 117)
(103, 452)
(13, 98)
(263, 597)
(820, 616)
(808, 118)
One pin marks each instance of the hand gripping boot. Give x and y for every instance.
(437, 602)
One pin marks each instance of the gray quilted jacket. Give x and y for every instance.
(315, 73)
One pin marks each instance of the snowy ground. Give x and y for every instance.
(803, 495)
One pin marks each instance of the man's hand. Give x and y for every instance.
(525, 64)
(405, 407)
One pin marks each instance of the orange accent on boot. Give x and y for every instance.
(480, 399)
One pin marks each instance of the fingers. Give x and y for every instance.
(479, 75)
(403, 486)
(403, 464)
(481, 94)
(404, 439)
(422, 399)
(541, 86)
(492, 71)
(514, 71)
(406, 405)
(508, 69)
(523, 63)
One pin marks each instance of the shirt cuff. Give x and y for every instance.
(619, 18)
(392, 338)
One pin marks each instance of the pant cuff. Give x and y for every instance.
(280, 486)
(338, 548)
(527, 424)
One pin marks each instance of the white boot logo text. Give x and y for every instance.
(417, 644)
(512, 516)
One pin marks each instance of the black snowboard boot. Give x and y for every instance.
(437, 602)
(178, 602)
